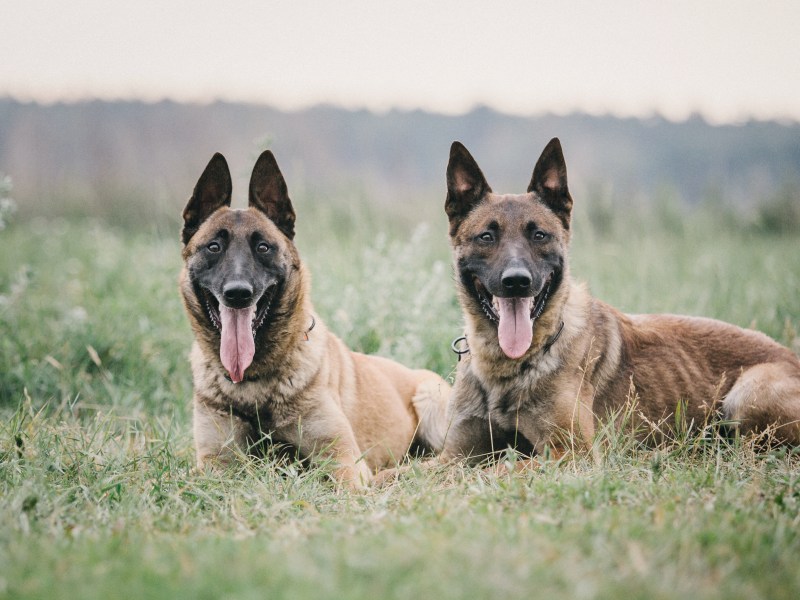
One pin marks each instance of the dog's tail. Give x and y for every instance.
(430, 403)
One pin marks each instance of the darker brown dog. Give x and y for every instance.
(264, 362)
(546, 358)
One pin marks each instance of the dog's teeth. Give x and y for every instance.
(487, 311)
(541, 302)
(214, 321)
(260, 322)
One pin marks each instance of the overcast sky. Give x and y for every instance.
(727, 59)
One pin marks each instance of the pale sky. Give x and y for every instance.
(727, 59)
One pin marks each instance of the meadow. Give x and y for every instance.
(99, 498)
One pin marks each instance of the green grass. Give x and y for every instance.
(98, 497)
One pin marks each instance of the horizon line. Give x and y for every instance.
(644, 116)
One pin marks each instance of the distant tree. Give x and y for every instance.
(781, 213)
(7, 204)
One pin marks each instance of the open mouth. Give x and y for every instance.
(491, 304)
(238, 328)
(261, 312)
(514, 316)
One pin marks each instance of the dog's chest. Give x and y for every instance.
(270, 399)
(517, 380)
(506, 403)
(268, 405)
(528, 390)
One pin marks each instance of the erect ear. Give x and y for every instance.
(549, 181)
(268, 193)
(466, 185)
(213, 190)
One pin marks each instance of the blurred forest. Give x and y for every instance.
(131, 162)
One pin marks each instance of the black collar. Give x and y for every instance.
(553, 339)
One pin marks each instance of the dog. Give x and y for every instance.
(547, 362)
(264, 365)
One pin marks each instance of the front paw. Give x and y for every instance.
(386, 477)
(355, 478)
(510, 467)
(215, 464)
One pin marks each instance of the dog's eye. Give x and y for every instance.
(262, 248)
(539, 235)
(486, 236)
(214, 247)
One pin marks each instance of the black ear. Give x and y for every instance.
(213, 190)
(268, 193)
(466, 185)
(549, 181)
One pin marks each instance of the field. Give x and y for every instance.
(98, 497)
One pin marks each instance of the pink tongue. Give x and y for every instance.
(515, 331)
(237, 347)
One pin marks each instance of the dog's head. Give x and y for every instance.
(238, 261)
(510, 249)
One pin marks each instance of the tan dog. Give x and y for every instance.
(263, 361)
(546, 358)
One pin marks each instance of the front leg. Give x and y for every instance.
(218, 436)
(563, 426)
(471, 435)
(472, 438)
(325, 431)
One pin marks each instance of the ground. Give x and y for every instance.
(100, 498)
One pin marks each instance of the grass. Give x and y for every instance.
(99, 498)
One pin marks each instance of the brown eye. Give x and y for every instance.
(539, 235)
(486, 236)
(262, 248)
(214, 247)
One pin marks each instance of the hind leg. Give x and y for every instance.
(430, 404)
(767, 396)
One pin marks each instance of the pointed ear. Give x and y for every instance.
(213, 190)
(268, 193)
(549, 181)
(466, 185)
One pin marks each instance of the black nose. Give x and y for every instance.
(237, 292)
(516, 280)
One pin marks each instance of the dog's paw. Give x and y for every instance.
(213, 464)
(354, 478)
(511, 467)
(388, 476)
